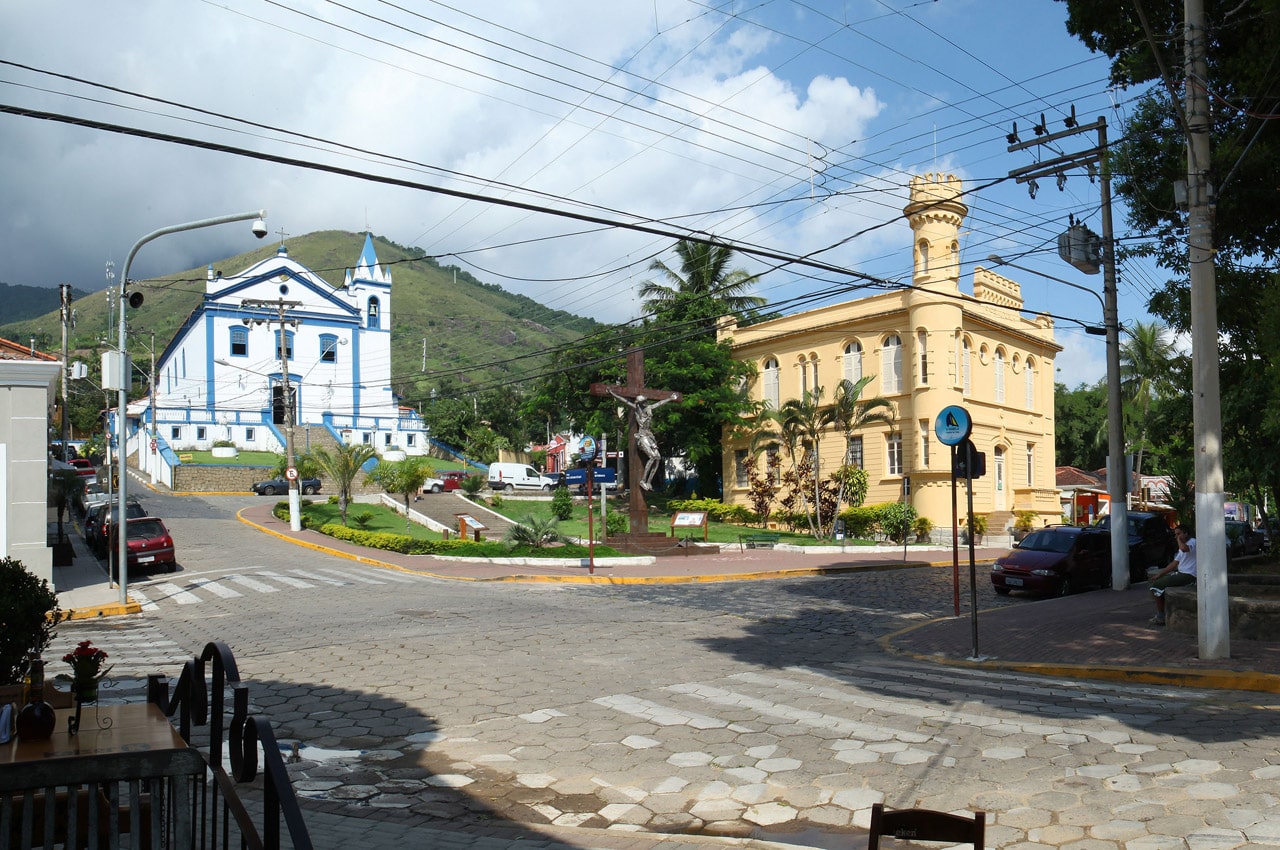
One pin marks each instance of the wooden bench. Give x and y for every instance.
(763, 540)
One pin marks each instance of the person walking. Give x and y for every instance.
(1180, 572)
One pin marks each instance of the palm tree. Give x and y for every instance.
(849, 414)
(341, 466)
(805, 419)
(401, 477)
(704, 289)
(1144, 368)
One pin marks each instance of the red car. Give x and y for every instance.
(84, 467)
(1055, 561)
(150, 545)
(453, 478)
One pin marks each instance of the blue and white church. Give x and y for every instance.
(223, 376)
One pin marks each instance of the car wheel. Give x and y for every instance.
(1002, 591)
(510, 488)
(546, 488)
(436, 488)
(309, 490)
(1065, 589)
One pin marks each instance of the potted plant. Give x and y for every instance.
(922, 527)
(29, 610)
(225, 448)
(979, 529)
(1023, 523)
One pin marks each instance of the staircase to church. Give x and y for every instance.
(308, 438)
(998, 522)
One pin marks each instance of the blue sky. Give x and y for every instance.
(794, 127)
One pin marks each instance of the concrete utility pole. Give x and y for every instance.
(1117, 492)
(1206, 402)
(281, 307)
(66, 366)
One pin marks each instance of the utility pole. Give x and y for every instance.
(1206, 401)
(152, 405)
(291, 473)
(66, 365)
(1117, 492)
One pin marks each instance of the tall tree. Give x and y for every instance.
(849, 413)
(702, 289)
(1144, 371)
(341, 466)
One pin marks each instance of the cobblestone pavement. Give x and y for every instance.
(763, 709)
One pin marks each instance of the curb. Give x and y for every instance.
(94, 612)
(1209, 679)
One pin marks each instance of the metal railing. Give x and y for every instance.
(221, 817)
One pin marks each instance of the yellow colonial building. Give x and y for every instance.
(928, 346)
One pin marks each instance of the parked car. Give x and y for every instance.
(92, 494)
(101, 518)
(150, 546)
(1243, 540)
(280, 486)
(446, 481)
(1055, 561)
(85, 468)
(518, 476)
(1151, 542)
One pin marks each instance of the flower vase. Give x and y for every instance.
(85, 690)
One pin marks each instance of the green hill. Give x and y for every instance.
(472, 330)
(28, 302)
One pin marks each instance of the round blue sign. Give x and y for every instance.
(953, 425)
(587, 448)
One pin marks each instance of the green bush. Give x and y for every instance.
(716, 510)
(896, 520)
(362, 519)
(224, 444)
(860, 522)
(28, 612)
(921, 528)
(562, 504)
(616, 522)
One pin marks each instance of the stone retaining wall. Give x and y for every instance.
(1253, 608)
(216, 478)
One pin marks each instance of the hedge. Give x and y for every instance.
(716, 510)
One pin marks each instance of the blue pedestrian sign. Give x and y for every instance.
(953, 425)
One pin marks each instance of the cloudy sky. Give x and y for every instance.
(789, 126)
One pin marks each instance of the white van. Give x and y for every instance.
(518, 476)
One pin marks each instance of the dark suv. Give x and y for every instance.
(1055, 561)
(1151, 542)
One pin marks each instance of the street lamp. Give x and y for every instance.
(122, 400)
(1116, 491)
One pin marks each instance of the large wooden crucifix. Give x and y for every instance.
(640, 439)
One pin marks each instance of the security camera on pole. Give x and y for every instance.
(291, 470)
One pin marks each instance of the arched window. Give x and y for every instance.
(966, 367)
(922, 345)
(1029, 382)
(804, 377)
(375, 319)
(771, 383)
(853, 362)
(998, 365)
(922, 248)
(239, 342)
(891, 365)
(328, 348)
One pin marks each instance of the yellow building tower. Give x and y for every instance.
(925, 346)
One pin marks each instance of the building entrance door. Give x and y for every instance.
(1001, 503)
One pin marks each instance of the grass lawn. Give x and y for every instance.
(383, 519)
(717, 532)
(270, 459)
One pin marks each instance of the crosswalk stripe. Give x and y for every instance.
(142, 599)
(284, 579)
(325, 579)
(350, 576)
(177, 594)
(216, 588)
(252, 584)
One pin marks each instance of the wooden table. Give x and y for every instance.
(138, 772)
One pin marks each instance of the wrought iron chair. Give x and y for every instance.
(926, 825)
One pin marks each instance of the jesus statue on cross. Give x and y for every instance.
(645, 441)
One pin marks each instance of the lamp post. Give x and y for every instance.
(1116, 491)
(123, 379)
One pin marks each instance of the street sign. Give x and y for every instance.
(291, 473)
(602, 475)
(587, 449)
(153, 445)
(953, 425)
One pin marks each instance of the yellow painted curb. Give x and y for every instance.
(1219, 680)
(94, 612)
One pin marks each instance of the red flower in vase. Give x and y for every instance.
(86, 664)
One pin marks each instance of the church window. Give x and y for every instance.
(288, 345)
(249, 435)
(328, 348)
(375, 319)
(239, 342)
